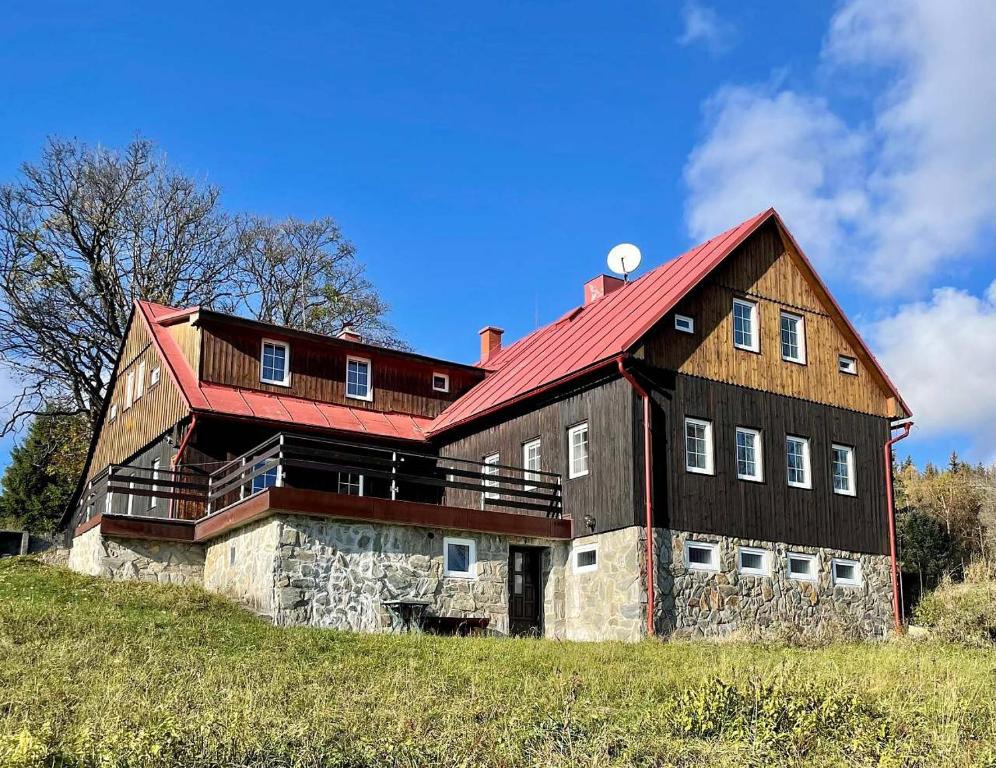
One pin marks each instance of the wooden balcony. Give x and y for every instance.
(298, 474)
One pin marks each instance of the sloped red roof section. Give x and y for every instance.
(591, 336)
(234, 402)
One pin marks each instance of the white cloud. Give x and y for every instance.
(912, 193)
(942, 355)
(769, 148)
(703, 26)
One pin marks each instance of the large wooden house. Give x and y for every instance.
(702, 449)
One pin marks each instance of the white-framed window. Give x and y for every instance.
(793, 337)
(802, 567)
(684, 323)
(698, 446)
(846, 573)
(752, 561)
(274, 363)
(231, 554)
(358, 384)
(577, 450)
(847, 365)
(843, 469)
(586, 558)
(797, 468)
(440, 382)
(155, 488)
(154, 377)
(745, 331)
(129, 389)
(530, 463)
(701, 556)
(490, 468)
(459, 558)
(350, 483)
(750, 465)
(140, 381)
(114, 411)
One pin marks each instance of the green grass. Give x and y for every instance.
(94, 673)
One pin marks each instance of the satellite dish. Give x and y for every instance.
(624, 258)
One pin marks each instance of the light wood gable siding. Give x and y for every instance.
(231, 356)
(188, 338)
(765, 270)
(159, 409)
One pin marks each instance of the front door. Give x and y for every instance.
(524, 592)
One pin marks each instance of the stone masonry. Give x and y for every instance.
(694, 603)
(165, 562)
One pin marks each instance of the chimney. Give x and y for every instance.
(348, 334)
(490, 341)
(601, 286)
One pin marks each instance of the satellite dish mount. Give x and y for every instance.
(623, 259)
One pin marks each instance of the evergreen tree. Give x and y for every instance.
(42, 473)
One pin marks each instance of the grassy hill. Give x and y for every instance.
(94, 673)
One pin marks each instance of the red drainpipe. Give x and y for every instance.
(180, 451)
(647, 491)
(887, 455)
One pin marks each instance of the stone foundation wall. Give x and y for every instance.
(694, 603)
(338, 573)
(243, 565)
(165, 562)
(609, 602)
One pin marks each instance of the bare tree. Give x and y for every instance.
(83, 233)
(304, 274)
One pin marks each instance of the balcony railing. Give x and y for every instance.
(300, 461)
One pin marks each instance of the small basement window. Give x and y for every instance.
(846, 573)
(440, 382)
(586, 558)
(802, 567)
(701, 556)
(752, 562)
(459, 558)
(684, 323)
(847, 365)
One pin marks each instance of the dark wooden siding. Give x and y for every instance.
(771, 510)
(607, 491)
(230, 355)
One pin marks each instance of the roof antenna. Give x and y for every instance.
(623, 259)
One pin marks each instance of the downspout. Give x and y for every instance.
(887, 456)
(179, 454)
(647, 490)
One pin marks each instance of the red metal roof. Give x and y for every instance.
(584, 339)
(221, 400)
(591, 336)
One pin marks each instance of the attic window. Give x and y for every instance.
(684, 323)
(847, 365)
(440, 382)
(154, 377)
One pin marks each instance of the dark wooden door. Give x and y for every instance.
(524, 591)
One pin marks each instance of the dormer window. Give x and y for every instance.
(274, 363)
(440, 382)
(358, 384)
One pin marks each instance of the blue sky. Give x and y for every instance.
(484, 157)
